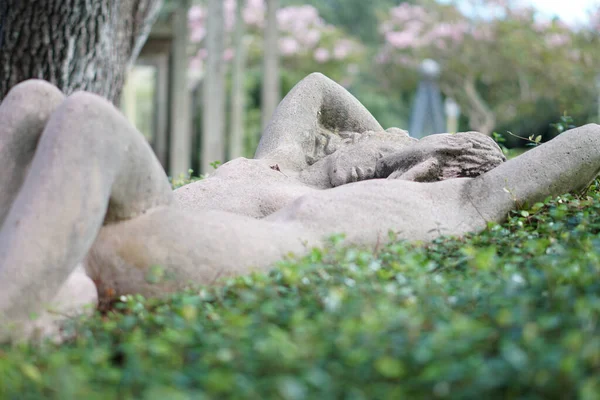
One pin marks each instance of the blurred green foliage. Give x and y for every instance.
(512, 312)
(511, 70)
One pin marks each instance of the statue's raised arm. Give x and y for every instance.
(316, 109)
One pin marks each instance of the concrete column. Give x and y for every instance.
(271, 86)
(213, 89)
(598, 87)
(128, 100)
(452, 110)
(180, 135)
(161, 130)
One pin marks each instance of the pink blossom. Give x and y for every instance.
(322, 55)
(541, 25)
(414, 26)
(407, 12)
(342, 49)
(288, 46)
(557, 40)
(228, 54)
(196, 13)
(196, 63)
(197, 34)
(440, 31)
(295, 16)
(401, 40)
(311, 38)
(254, 13)
(229, 11)
(298, 20)
(301, 27)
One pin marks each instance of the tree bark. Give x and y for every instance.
(213, 115)
(236, 141)
(74, 44)
(271, 86)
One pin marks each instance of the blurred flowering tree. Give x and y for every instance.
(306, 42)
(500, 62)
(357, 17)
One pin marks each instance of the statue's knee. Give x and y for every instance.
(88, 109)
(316, 77)
(26, 110)
(35, 93)
(87, 101)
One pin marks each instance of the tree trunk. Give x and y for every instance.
(236, 142)
(270, 88)
(74, 44)
(213, 116)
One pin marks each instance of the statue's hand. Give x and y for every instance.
(356, 162)
(425, 171)
(434, 146)
(442, 156)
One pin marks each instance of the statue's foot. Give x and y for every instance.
(76, 297)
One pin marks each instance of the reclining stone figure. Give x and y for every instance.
(86, 210)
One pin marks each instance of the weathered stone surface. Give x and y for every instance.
(255, 188)
(308, 118)
(23, 116)
(443, 156)
(355, 157)
(81, 176)
(96, 194)
(76, 296)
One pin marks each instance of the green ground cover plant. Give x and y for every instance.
(512, 312)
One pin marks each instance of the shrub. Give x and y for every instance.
(512, 312)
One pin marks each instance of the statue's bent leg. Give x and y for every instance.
(90, 167)
(24, 113)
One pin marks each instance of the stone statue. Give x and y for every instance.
(87, 212)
